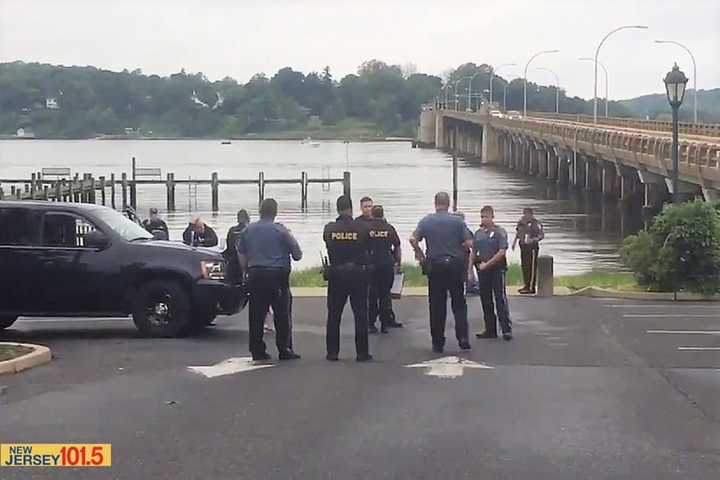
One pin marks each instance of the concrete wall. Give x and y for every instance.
(426, 129)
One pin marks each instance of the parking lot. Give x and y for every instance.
(589, 388)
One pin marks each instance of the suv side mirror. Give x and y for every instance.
(96, 239)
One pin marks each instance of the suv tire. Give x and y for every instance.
(6, 321)
(161, 308)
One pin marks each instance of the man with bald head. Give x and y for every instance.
(199, 234)
(447, 244)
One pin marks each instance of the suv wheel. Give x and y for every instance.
(161, 308)
(6, 321)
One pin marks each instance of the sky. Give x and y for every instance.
(239, 38)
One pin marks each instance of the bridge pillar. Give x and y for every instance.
(592, 177)
(490, 150)
(553, 167)
(629, 183)
(440, 132)
(527, 152)
(608, 178)
(563, 169)
(542, 162)
(655, 190)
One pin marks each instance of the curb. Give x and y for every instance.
(39, 356)
(597, 292)
(318, 292)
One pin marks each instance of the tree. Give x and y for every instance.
(681, 250)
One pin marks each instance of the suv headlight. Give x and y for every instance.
(213, 270)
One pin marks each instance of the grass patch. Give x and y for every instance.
(8, 352)
(312, 277)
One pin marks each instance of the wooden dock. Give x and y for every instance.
(88, 188)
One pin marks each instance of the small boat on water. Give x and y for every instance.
(309, 141)
(226, 142)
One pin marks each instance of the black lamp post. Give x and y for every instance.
(675, 82)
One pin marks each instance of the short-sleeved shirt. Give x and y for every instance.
(529, 233)
(383, 241)
(268, 244)
(347, 241)
(444, 235)
(486, 243)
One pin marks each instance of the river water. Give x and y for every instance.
(582, 232)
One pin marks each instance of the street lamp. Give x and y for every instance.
(456, 92)
(492, 75)
(525, 77)
(557, 88)
(470, 86)
(695, 93)
(597, 52)
(606, 81)
(445, 88)
(675, 82)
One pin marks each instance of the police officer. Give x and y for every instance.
(385, 255)
(347, 245)
(264, 249)
(366, 206)
(529, 232)
(447, 241)
(230, 253)
(489, 246)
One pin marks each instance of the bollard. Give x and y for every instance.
(545, 278)
(124, 186)
(170, 187)
(102, 190)
(303, 191)
(112, 190)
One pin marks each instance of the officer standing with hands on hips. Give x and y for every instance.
(347, 245)
(448, 241)
(489, 246)
(385, 255)
(264, 250)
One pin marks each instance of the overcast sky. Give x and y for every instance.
(241, 37)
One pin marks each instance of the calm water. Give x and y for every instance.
(583, 233)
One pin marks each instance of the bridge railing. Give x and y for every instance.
(695, 154)
(702, 129)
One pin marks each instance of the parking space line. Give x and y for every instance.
(679, 305)
(670, 315)
(697, 349)
(684, 332)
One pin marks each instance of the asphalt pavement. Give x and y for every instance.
(589, 388)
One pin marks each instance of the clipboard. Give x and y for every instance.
(398, 285)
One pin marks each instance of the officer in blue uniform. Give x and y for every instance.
(489, 246)
(447, 242)
(385, 255)
(264, 249)
(347, 245)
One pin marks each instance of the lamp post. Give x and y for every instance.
(456, 92)
(557, 87)
(492, 76)
(606, 81)
(695, 93)
(525, 77)
(675, 82)
(597, 52)
(470, 87)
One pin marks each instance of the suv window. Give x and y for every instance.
(65, 230)
(20, 226)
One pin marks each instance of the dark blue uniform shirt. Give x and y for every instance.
(487, 243)
(444, 235)
(268, 244)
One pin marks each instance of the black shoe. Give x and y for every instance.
(464, 344)
(261, 357)
(364, 358)
(507, 336)
(438, 349)
(395, 324)
(289, 355)
(526, 291)
(486, 335)
(384, 329)
(372, 329)
(331, 358)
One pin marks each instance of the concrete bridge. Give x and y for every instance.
(622, 158)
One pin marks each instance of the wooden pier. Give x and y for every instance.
(88, 188)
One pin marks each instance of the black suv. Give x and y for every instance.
(61, 259)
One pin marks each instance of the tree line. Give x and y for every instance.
(81, 102)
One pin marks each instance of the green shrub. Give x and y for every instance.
(680, 251)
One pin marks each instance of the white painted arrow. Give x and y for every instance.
(230, 366)
(448, 367)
